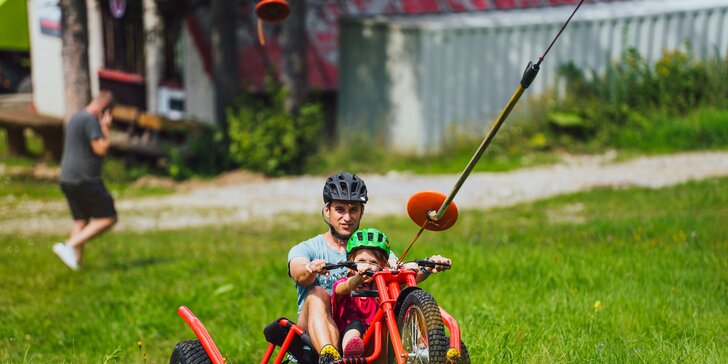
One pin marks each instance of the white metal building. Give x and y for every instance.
(410, 79)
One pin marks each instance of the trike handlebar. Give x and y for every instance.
(352, 265)
(430, 264)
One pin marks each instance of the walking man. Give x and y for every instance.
(85, 145)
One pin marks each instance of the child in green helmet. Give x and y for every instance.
(352, 315)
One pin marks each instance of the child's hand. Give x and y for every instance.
(361, 268)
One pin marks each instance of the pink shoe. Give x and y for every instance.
(354, 348)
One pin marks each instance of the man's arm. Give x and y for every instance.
(100, 146)
(304, 271)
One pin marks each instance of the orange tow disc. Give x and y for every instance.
(422, 203)
(272, 10)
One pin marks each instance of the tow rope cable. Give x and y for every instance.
(528, 76)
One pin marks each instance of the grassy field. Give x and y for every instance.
(607, 276)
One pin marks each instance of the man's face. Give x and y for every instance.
(344, 216)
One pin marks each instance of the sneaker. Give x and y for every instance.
(328, 354)
(67, 255)
(354, 348)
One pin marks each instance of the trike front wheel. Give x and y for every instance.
(421, 329)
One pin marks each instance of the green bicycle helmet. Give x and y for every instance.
(368, 238)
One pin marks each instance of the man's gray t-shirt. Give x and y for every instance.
(316, 248)
(79, 162)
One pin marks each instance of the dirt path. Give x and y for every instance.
(388, 193)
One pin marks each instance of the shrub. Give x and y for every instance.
(266, 138)
(634, 99)
(204, 154)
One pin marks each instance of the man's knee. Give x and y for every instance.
(317, 302)
(319, 293)
(108, 222)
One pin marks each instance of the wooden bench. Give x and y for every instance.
(16, 115)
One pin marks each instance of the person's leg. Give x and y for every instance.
(93, 229)
(95, 202)
(352, 344)
(78, 226)
(316, 318)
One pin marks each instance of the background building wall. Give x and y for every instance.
(464, 67)
(46, 61)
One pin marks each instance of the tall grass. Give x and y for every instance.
(614, 276)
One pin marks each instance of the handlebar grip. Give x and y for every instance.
(351, 265)
(365, 293)
(431, 264)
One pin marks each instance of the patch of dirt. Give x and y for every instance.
(39, 171)
(238, 177)
(241, 196)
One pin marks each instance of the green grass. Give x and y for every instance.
(704, 129)
(524, 284)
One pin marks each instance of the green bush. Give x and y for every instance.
(266, 138)
(204, 154)
(639, 105)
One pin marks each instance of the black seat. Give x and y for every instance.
(301, 348)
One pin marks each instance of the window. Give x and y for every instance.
(123, 35)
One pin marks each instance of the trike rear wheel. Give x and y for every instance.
(189, 352)
(421, 329)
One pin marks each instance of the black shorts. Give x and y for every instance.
(88, 199)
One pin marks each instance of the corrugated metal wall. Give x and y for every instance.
(408, 80)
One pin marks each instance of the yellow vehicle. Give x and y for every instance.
(14, 47)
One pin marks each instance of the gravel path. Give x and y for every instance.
(388, 193)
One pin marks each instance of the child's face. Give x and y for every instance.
(366, 260)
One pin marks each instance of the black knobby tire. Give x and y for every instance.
(421, 329)
(189, 352)
(464, 356)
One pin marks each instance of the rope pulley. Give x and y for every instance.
(423, 208)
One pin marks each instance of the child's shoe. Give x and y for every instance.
(354, 348)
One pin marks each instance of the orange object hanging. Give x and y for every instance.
(261, 33)
(422, 203)
(272, 10)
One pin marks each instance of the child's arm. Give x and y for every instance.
(351, 283)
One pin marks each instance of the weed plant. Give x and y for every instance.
(676, 104)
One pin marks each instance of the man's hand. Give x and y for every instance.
(106, 118)
(441, 260)
(317, 266)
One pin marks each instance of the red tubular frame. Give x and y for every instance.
(201, 332)
(452, 325)
(389, 288)
(292, 332)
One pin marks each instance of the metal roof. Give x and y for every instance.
(543, 15)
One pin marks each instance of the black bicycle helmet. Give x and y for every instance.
(345, 187)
